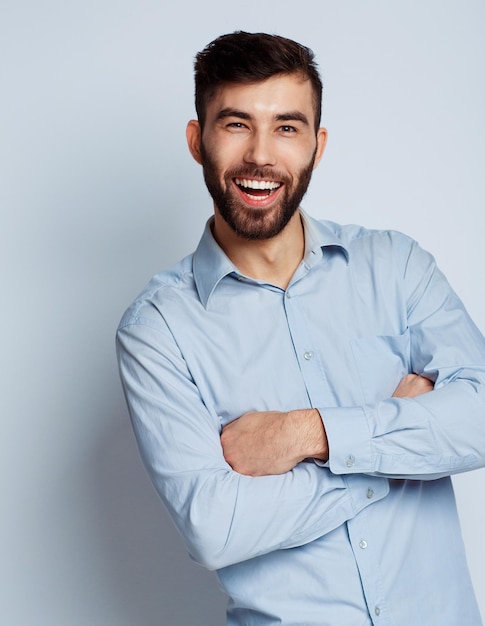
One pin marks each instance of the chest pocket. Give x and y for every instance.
(381, 362)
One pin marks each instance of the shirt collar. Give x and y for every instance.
(320, 236)
(211, 265)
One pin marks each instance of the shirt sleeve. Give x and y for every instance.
(223, 516)
(438, 433)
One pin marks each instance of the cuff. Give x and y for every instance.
(349, 440)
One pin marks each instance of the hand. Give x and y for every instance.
(413, 385)
(271, 442)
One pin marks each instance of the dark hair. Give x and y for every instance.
(252, 57)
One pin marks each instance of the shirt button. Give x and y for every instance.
(370, 493)
(350, 461)
(377, 611)
(363, 544)
(288, 294)
(307, 356)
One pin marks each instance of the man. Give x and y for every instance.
(301, 392)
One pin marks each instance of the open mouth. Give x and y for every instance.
(257, 188)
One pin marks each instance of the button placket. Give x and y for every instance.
(362, 539)
(308, 357)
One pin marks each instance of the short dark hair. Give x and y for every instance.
(242, 57)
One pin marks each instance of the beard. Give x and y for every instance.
(252, 223)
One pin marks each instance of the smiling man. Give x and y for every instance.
(258, 155)
(301, 392)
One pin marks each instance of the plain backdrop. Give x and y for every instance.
(98, 192)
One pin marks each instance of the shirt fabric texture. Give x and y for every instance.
(372, 536)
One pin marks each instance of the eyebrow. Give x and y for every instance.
(290, 116)
(230, 112)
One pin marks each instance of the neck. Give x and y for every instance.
(272, 260)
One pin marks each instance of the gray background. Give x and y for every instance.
(98, 192)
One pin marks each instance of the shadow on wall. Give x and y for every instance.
(154, 581)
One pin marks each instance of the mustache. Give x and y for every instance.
(266, 173)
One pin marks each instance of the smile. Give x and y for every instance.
(257, 188)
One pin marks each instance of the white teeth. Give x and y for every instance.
(257, 184)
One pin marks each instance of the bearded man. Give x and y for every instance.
(301, 392)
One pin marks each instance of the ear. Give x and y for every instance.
(193, 134)
(321, 143)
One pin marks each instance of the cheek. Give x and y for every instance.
(222, 148)
(295, 156)
(220, 164)
(306, 160)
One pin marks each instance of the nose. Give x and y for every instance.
(260, 150)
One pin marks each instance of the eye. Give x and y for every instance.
(287, 130)
(236, 125)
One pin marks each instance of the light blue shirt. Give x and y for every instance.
(371, 537)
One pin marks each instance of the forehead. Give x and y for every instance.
(272, 96)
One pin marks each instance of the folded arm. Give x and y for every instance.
(413, 434)
(271, 442)
(429, 435)
(224, 516)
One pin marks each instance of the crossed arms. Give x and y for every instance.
(244, 492)
(271, 442)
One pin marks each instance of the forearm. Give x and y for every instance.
(414, 434)
(225, 517)
(271, 442)
(431, 435)
(435, 434)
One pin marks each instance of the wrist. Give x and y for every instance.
(311, 436)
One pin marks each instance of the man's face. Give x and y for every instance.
(258, 150)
